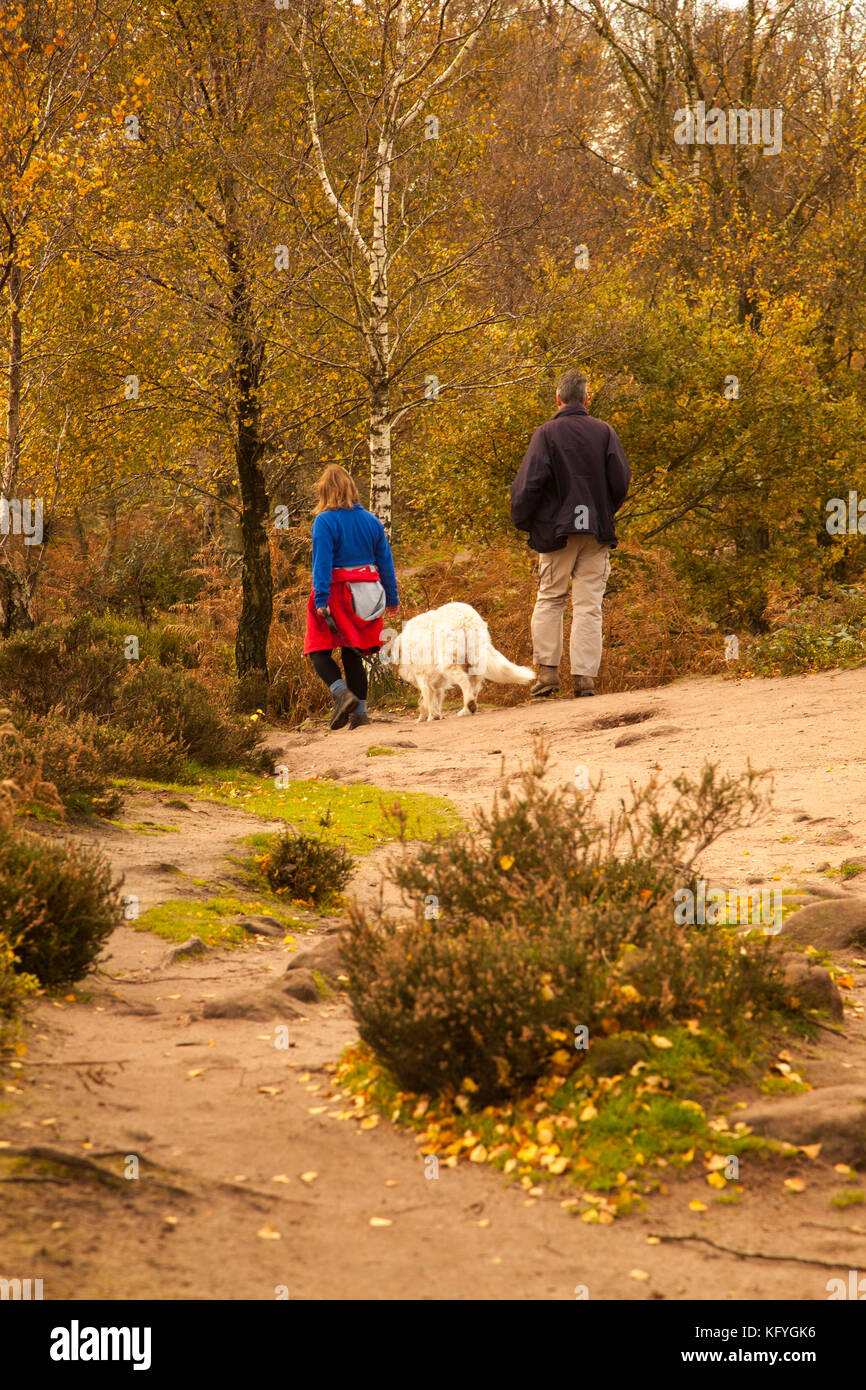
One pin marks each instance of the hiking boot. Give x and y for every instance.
(583, 685)
(356, 720)
(344, 703)
(547, 683)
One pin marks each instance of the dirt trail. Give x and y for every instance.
(114, 1075)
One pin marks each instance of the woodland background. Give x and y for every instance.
(239, 241)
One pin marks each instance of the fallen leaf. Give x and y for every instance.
(659, 1041)
(485, 1221)
(369, 1122)
(810, 1150)
(639, 1274)
(478, 1154)
(266, 1090)
(653, 1240)
(588, 1112)
(309, 1177)
(268, 1233)
(196, 1071)
(795, 1185)
(716, 1180)
(280, 1177)
(695, 1205)
(379, 1221)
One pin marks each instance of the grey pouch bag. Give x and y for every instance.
(368, 599)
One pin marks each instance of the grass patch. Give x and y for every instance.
(850, 1197)
(179, 920)
(612, 1139)
(359, 816)
(377, 751)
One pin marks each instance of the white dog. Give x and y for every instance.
(450, 646)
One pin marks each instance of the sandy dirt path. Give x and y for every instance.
(135, 1070)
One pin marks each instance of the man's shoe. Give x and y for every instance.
(583, 685)
(356, 720)
(547, 683)
(344, 703)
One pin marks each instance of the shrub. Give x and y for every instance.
(814, 634)
(303, 866)
(179, 707)
(549, 919)
(75, 661)
(69, 755)
(58, 905)
(15, 987)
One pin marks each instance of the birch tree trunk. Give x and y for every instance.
(16, 597)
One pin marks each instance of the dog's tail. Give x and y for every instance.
(499, 669)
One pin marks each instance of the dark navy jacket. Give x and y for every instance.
(572, 480)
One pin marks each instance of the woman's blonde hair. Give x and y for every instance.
(335, 489)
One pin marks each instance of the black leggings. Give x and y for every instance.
(356, 672)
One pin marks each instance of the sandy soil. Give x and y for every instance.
(134, 1070)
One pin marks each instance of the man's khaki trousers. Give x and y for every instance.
(585, 564)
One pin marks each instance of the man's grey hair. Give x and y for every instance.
(572, 387)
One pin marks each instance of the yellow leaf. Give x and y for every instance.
(196, 1071)
(561, 1058)
(369, 1122)
(280, 1177)
(309, 1177)
(843, 981)
(478, 1154)
(268, 1233)
(588, 1112)
(506, 861)
(653, 1240)
(559, 1165)
(810, 1150)
(605, 1218)
(715, 1180)
(639, 1274)
(696, 1205)
(269, 1090)
(421, 1108)
(659, 1041)
(468, 1085)
(590, 1217)
(795, 1185)
(379, 1221)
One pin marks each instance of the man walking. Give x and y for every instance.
(574, 477)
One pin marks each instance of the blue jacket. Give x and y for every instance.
(344, 538)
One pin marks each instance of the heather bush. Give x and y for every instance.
(77, 662)
(303, 866)
(543, 918)
(59, 904)
(180, 708)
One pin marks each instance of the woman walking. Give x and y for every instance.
(353, 584)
